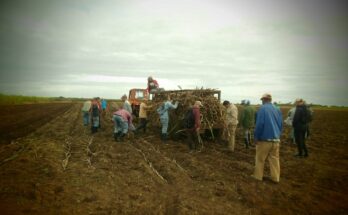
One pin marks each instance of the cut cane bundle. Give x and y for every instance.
(211, 112)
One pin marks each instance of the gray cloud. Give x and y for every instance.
(290, 48)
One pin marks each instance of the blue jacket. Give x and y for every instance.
(163, 110)
(268, 123)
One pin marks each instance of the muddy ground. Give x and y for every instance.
(60, 168)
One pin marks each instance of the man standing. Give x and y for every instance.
(231, 123)
(267, 138)
(143, 115)
(164, 116)
(247, 120)
(289, 120)
(95, 115)
(103, 105)
(85, 112)
(192, 128)
(300, 124)
(126, 104)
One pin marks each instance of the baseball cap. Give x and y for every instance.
(266, 96)
(226, 103)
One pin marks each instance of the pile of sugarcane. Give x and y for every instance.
(211, 113)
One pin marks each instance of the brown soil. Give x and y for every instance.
(143, 176)
(20, 120)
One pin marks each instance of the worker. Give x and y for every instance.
(267, 133)
(85, 112)
(122, 120)
(247, 121)
(104, 105)
(126, 104)
(95, 111)
(193, 125)
(164, 116)
(288, 121)
(231, 120)
(143, 115)
(300, 124)
(152, 85)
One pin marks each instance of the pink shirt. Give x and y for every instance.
(126, 116)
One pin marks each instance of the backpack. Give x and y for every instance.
(189, 119)
(95, 110)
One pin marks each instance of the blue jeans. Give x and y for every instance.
(85, 116)
(164, 122)
(95, 121)
(120, 125)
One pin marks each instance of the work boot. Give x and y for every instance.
(246, 143)
(122, 137)
(118, 136)
(298, 155)
(94, 129)
(299, 148)
(164, 138)
(249, 140)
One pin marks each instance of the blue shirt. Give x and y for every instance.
(103, 104)
(268, 123)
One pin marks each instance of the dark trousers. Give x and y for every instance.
(192, 139)
(300, 138)
(142, 124)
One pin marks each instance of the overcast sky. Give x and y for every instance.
(85, 48)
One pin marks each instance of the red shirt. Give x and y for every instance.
(197, 114)
(154, 82)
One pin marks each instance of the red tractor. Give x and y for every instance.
(136, 96)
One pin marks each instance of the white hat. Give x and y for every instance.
(266, 96)
(198, 103)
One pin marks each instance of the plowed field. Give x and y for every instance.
(60, 168)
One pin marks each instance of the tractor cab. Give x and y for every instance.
(136, 96)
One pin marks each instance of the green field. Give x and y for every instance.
(18, 99)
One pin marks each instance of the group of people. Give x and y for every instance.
(246, 120)
(266, 125)
(122, 117)
(91, 112)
